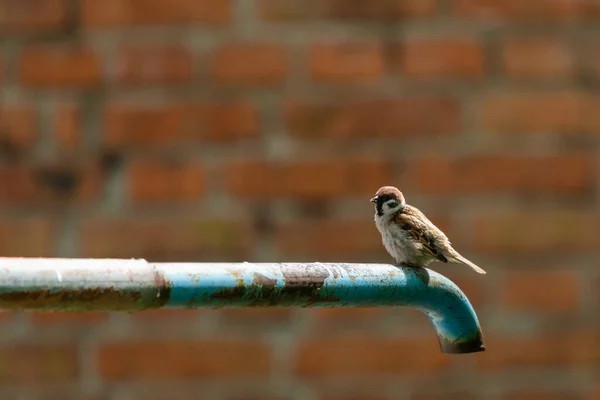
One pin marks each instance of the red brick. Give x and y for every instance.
(561, 291)
(27, 237)
(348, 62)
(531, 57)
(473, 288)
(566, 174)
(187, 392)
(230, 121)
(399, 118)
(123, 13)
(67, 318)
(67, 394)
(596, 59)
(31, 363)
(51, 184)
(588, 118)
(179, 124)
(563, 350)
(386, 10)
(255, 316)
(250, 64)
(165, 239)
(266, 396)
(451, 395)
(448, 57)
(163, 314)
(67, 126)
(323, 239)
(516, 9)
(588, 10)
(17, 127)
(381, 10)
(59, 67)
(305, 180)
(356, 397)
(364, 356)
(11, 394)
(6, 317)
(552, 112)
(175, 393)
(147, 65)
(596, 295)
(161, 182)
(33, 16)
(556, 231)
(335, 316)
(217, 359)
(541, 395)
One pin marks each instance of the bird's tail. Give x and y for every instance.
(458, 258)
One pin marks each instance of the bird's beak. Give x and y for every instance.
(373, 199)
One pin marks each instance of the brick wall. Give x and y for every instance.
(257, 130)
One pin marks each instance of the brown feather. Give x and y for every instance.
(423, 230)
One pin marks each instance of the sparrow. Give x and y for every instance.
(408, 235)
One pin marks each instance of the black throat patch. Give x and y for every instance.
(380, 201)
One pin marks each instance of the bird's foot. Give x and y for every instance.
(418, 270)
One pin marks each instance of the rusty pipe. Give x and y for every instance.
(54, 284)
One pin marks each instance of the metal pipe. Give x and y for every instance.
(54, 284)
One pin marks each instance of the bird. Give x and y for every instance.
(409, 236)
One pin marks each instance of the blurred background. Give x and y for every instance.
(257, 130)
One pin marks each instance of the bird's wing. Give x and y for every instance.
(421, 229)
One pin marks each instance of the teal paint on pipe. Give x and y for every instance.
(130, 285)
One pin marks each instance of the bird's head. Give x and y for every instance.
(388, 200)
